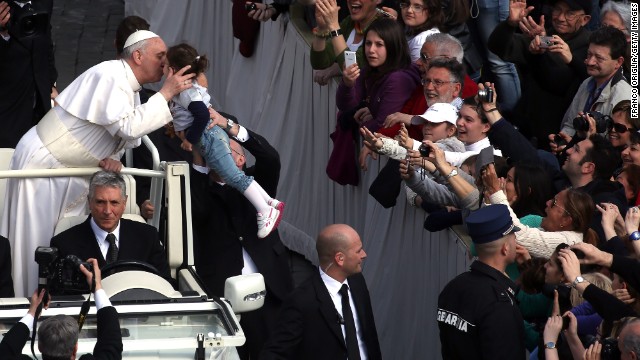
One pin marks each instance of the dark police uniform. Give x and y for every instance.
(478, 315)
(479, 318)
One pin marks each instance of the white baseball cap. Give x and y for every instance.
(438, 113)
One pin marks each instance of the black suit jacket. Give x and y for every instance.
(108, 346)
(6, 282)
(27, 73)
(308, 326)
(137, 241)
(224, 222)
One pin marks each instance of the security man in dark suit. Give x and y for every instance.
(330, 315)
(225, 240)
(478, 315)
(27, 70)
(58, 335)
(105, 235)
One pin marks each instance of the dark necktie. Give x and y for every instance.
(112, 253)
(351, 338)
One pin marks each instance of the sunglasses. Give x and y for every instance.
(619, 128)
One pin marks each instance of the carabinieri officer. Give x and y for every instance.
(478, 315)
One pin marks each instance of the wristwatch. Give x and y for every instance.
(579, 279)
(634, 236)
(230, 124)
(453, 173)
(550, 345)
(334, 33)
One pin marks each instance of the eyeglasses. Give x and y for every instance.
(415, 7)
(425, 59)
(569, 14)
(554, 203)
(436, 83)
(235, 151)
(619, 128)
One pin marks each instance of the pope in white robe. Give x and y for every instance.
(97, 117)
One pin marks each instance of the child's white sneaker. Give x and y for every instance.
(276, 204)
(269, 222)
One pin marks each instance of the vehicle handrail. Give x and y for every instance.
(74, 172)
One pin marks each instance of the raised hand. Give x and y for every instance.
(177, 82)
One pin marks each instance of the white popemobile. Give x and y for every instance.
(156, 320)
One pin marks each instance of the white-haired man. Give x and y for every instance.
(96, 117)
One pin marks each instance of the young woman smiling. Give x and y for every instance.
(387, 79)
(420, 19)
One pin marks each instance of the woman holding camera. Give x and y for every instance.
(386, 81)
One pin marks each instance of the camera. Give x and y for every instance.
(61, 275)
(580, 123)
(250, 7)
(485, 95)
(27, 22)
(424, 150)
(559, 140)
(546, 42)
(610, 350)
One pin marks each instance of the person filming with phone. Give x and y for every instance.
(58, 335)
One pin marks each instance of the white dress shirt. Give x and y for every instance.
(101, 238)
(334, 286)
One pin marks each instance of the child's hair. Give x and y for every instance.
(184, 54)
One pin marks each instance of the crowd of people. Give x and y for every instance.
(534, 164)
(537, 156)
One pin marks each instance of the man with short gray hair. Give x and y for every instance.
(105, 235)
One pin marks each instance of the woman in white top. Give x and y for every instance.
(420, 18)
(567, 220)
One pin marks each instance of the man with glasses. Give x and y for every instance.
(551, 73)
(606, 85)
(439, 46)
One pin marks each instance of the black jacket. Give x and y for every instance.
(137, 241)
(479, 318)
(308, 326)
(27, 73)
(224, 223)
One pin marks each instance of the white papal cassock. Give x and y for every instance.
(97, 116)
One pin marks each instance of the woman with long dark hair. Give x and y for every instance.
(528, 188)
(387, 79)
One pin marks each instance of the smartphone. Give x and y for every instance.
(349, 58)
(485, 157)
(383, 13)
(546, 41)
(250, 7)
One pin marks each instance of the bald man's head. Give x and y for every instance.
(340, 244)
